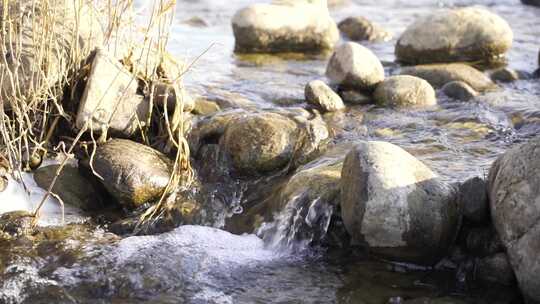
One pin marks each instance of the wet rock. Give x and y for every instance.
(514, 198)
(15, 224)
(195, 22)
(171, 95)
(306, 205)
(443, 300)
(459, 90)
(360, 29)
(354, 66)
(394, 205)
(463, 34)
(440, 74)
(285, 26)
(132, 173)
(72, 22)
(70, 186)
(322, 96)
(405, 91)
(205, 107)
(3, 183)
(260, 143)
(355, 97)
(482, 242)
(110, 100)
(496, 269)
(270, 141)
(531, 2)
(505, 75)
(473, 200)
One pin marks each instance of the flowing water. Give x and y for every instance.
(195, 264)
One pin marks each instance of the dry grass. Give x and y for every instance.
(43, 61)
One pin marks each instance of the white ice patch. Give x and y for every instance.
(26, 196)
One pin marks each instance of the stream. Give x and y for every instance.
(197, 264)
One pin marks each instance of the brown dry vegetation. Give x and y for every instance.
(43, 64)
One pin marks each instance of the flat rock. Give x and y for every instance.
(440, 74)
(110, 100)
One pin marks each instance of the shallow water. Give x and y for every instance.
(204, 265)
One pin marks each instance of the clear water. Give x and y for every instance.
(194, 264)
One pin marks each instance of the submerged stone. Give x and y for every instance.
(15, 224)
(285, 26)
(395, 206)
(440, 74)
(459, 90)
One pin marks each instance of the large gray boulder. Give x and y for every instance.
(514, 198)
(395, 206)
(132, 173)
(405, 91)
(285, 26)
(463, 34)
(354, 66)
(440, 74)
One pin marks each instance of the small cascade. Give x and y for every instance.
(301, 223)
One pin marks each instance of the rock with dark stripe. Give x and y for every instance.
(394, 205)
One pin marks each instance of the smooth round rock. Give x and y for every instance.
(260, 142)
(394, 205)
(285, 26)
(482, 242)
(463, 34)
(132, 173)
(322, 96)
(361, 29)
(459, 90)
(514, 197)
(405, 91)
(354, 66)
(440, 74)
